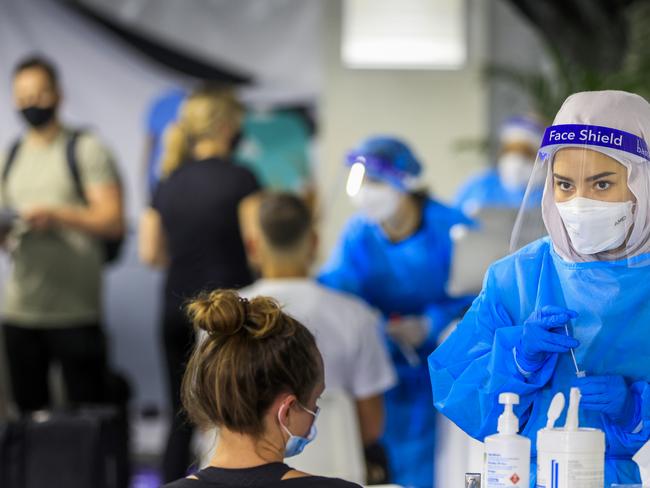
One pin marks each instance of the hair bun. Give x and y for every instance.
(223, 313)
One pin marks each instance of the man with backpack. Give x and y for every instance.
(61, 221)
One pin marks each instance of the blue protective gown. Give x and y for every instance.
(404, 278)
(486, 191)
(475, 364)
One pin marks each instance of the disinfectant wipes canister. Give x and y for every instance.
(569, 457)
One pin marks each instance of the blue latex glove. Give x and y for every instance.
(543, 336)
(609, 395)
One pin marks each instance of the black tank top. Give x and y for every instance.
(265, 476)
(258, 476)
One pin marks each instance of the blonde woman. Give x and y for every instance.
(192, 230)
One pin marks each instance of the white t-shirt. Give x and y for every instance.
(346, 329)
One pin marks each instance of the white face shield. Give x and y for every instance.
(596, 187)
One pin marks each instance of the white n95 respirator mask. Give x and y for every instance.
(377, 201)
(595, 226)
(515, 170)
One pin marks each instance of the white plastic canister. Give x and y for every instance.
(570, 458)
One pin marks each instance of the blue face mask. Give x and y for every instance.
(296, 444)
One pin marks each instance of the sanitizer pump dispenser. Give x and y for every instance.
(507, 454)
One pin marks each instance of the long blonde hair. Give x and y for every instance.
(202, 115)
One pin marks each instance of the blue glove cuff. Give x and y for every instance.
(521, 370)
(526, 365)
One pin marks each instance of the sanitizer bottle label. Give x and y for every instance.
(504, 471)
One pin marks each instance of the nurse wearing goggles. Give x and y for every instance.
(573, 308)
(395, 254)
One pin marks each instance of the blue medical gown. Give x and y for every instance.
(485, 190)
(475, 364)
(404, 278)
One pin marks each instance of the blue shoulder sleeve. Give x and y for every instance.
(467, 190)
(339, 272)
(473, 189)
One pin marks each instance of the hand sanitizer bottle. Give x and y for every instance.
(507, 454)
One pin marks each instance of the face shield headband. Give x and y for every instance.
(379, 169)
(591, 135)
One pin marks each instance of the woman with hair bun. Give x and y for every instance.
(257, 378)
(192, 230)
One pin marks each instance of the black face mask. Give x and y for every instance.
(38, 116)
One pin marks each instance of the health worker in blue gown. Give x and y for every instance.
(503, 186)
(583, 287)
(395, 254)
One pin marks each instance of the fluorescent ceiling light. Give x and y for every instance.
(404, 34)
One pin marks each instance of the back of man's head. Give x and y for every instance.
(286, 225)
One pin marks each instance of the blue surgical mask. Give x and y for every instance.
(296, 444)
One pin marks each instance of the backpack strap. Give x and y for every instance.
(11, 157)
(112, 247)
(73, 165)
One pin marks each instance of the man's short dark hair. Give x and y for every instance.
(285, 219)
(38, 62)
